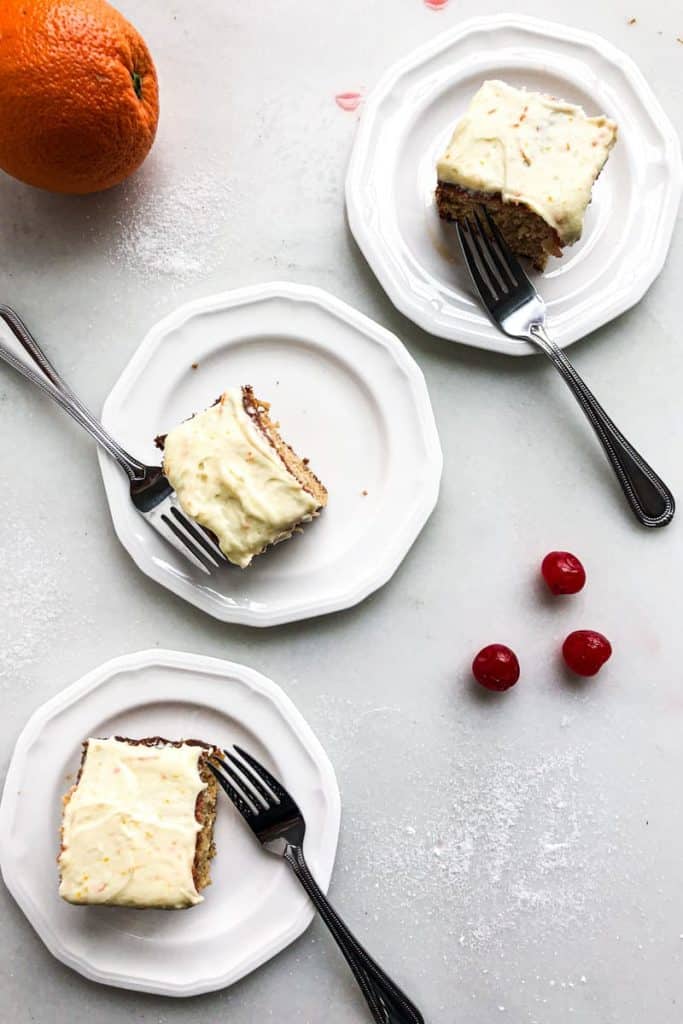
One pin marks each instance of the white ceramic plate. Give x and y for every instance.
(254, 908)
(410, 116)
(348, 396)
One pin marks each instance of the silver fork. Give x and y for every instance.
(276, 821)
(516, 308)
(150, 491)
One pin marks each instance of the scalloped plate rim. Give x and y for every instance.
(399, 295)
(91, 681)
(373, 578)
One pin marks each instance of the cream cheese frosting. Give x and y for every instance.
(129, 830)
(230, 479)
(532, 149)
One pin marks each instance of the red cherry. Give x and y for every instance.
(586, 651)
(496, 667)
(563, 572)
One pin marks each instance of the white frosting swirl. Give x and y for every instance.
(532, 149)
(129, 830)
(230, 479)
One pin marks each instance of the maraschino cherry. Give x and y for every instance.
(496, 667)
(586, 651)
(563, 572)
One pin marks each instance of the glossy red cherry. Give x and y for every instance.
(563, 572)
(496, 667)
(586, 651)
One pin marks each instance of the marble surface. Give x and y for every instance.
(514, 858)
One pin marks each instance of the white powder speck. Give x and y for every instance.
(165, 225)
(502, 844)
(32, 599)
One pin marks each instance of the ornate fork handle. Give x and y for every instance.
(387, 1002)
(53, 385)
(648, 495)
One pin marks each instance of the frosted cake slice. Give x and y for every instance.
(531, 160)
(233, 474)
(137, 827)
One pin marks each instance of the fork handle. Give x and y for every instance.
(388, 1004)
(53, 385)
(650, 499)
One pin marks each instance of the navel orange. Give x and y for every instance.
(79, 100)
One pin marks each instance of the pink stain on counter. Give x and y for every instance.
(435, 5)
(348, 100)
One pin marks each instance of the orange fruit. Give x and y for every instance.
(79, 99)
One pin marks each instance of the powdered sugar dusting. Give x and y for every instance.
(509, 828)
(166, 227)
(33, 600)
(493, 841)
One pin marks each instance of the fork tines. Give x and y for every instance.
(495, 270)
(180, 525)
(250, 786)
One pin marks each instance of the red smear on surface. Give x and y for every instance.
(348, 100)
(435, 4)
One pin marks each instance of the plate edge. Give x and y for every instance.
(373, 331)
(553, 30)
(184, 660)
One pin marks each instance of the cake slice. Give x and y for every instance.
(233, 474)
(137, 826)
(531, 160)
